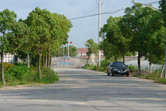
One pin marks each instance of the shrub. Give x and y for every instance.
(162, 80)
(102, 68)
(18, 72)
(132, 68)
(93, 67)
(48, 76)
(7, 66)
(86, 66)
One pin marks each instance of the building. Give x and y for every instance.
(81, 52)
(8, 58)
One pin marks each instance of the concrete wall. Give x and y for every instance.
(68, 62)
(80, 62)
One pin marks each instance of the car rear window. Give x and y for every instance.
(118, 64)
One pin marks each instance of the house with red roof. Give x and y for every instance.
(81, 52)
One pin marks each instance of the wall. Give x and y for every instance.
(68, 62)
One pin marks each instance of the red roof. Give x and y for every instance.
(82, 50)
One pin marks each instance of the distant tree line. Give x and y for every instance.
(39, 35)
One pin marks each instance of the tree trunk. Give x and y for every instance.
(28, 60)
(139, 63)
(48, 57)
(116, 59)
(50, 61)
(123, 59)
(150, 65)
(39, 60)
(161, 75)
(87, 60)
(43, 62)
(45, 58)
(2, 69)
(106, 64)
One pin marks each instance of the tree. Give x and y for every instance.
(152, 36)
(7, 18)
(106, 47)
(162, 6)
(92, 48)
(48, 31)
(60, 31)
(135, 19)
(39, 34)
(115, 37)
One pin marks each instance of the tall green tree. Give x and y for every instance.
(136, 19)
(59, 26)
(106, 47)
(92, 48)
(152, 36)
(39, 34)
(162, 7)
(115, 36)
(7, 18)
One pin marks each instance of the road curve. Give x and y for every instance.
(84, 90)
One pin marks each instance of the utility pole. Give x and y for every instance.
(99, 38)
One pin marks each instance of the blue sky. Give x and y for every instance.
(83, 29)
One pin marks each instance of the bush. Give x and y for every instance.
(7, 66)
(102, 68)
(18, 72)
(86, 66)
(21, 74)
(93, 67)
(48, 76)
(162, 80)
(132, 68)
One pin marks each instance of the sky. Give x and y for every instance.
(83, 29)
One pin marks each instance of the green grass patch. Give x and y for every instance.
(155, 75)
(20, 74)
(162, 81)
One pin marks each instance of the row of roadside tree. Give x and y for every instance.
(39, 35)
(141, 30)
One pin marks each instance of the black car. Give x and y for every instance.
(117, 68)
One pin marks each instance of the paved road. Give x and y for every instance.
(83, 90)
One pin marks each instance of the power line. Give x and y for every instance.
(104, 13)
(97, 14)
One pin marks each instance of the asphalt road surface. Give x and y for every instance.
(84, 90)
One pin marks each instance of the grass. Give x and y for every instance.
(20, 74)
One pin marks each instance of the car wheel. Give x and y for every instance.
(112, 74)
(108, 72)
(127, 74)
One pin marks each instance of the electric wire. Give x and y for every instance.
(86, 16)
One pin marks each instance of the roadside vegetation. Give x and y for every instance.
(155, 75)
(20, 74)
(140, 31)
(35, 39)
